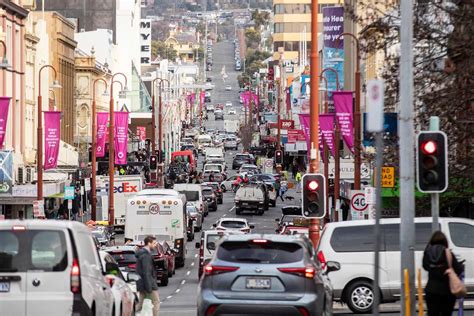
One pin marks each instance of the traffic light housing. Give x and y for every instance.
(279, 157)
(432, 162)
(153, 162)
(314, 195)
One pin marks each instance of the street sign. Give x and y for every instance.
(369, 195)
(346, 170)
(69, 204)
(38, 208)
(375, 98)
(358, 202)
(388, 177)
(69, 193)
(268, 166)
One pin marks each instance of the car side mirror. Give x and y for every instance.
(214, 225)
(197, 245)
(332, 266)
(252, 226)
(211, 246)
(277, 219)
(133, 277)
(111, 268)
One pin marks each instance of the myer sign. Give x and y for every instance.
(145, 41)
(346, 170)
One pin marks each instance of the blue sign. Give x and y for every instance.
(333, 57)
(69, 193)
(390, 129)
(6, 172)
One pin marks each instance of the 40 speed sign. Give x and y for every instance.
(358, 202)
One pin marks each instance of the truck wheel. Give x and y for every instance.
(360, 297)
(260, 212)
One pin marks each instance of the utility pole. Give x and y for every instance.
(407, 154)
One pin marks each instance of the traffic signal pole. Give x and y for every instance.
(314, 111)
(434, 126)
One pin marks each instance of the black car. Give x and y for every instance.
(210, 198)
(217, 191)
(241, 159)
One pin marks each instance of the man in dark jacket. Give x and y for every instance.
(145, 268)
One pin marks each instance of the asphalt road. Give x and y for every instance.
(179, 297)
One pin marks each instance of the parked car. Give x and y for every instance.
(190, 229)
(210, 198)
(50, 267)
(170, 255)
(250, 197)
(231, 143)
(271, 274)
(219, 115)
(210, 108)
(125, 257)
(160, 261)
(228, 104)
(233, 224)
(217, 191)
(196, 216)
(125, 296)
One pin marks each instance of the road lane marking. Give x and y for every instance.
(177, 290)
(189, 272)
(168, 297)
(192, 264)
(233, 207)
(182, 282)
(196, 255)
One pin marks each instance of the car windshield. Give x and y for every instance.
(192, 211)
(233, 224)
(242, 157)
(213, 238)
(263, 253)
(191, 195)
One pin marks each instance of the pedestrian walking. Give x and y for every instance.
(439, 262)
(298, 177)
(277, 188)
(147, 286)
(283, 188)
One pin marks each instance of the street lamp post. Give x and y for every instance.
(357, 118)
(111, 145)
(94, 148)
(153, 113)
(39, 139)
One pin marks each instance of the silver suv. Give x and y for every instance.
(270, 274)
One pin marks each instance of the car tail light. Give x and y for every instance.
(303, 311)
(75, 277)
(213, 270)
(260, 241)
(322, 259)
(245, 230)
(307, 272)
(210, 310)
(132, 265)
(110, 280)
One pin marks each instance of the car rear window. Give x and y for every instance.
(462, 234)
(124, 256)
(262, 253)
(207, 192)
(233, 224)
(191, 195)
(44, 250)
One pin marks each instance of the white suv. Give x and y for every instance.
(51, 268)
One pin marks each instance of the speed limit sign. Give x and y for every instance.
(358, 203)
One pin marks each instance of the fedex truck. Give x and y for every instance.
(124, 188)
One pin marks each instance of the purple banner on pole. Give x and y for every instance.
(4, 106)
(102, 120)
(305, 124)
(202, 97)
(121, 137)
(52, 136)
(344, 115)
(326, 127)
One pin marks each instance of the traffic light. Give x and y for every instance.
(278, 157)
(314, 195)
(153, 162)
(432, 162)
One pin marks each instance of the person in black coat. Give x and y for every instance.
(439, 299)
(147, 286)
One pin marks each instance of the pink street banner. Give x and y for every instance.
(102, 120)
(256, 99)
(326, 127)
(141, 132)
(344, 115)
(52, 136)
(4, 106)
(121, 137)
(202, 97)
(305, 123)
(245, 98)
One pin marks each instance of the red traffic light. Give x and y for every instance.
(313, 185)
(429, 147)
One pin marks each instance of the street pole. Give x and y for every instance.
(200, 109)
(112, 146)
(39, 136)
(314, 111)
(407, 154)
(160, 133)
(378, 211)
(94, 149)
(434, 126)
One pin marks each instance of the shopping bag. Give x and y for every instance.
(455, 284)
(147, 308)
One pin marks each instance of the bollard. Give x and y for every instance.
(407, 293)
(421, 308)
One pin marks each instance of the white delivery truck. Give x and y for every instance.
(124, 188)
(215, 152)
(160, 213)
(231, 126)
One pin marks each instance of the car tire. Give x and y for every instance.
(260, 213)
(273, 203)
(170, 273)
(164, 280)
(237, 211)
(360, 297)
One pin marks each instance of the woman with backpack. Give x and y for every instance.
(441, 265)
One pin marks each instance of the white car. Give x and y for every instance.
(232, 112)
(228, 87)
(124, 291)
(249, 169)
(233, 224)
(51, 267)
(210, 108)
(226, 185)
(228, 103)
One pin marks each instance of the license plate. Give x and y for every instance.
(4, 287)
(258, 283)
(245, 204)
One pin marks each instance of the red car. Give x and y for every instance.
(170, 255)
(220, 106)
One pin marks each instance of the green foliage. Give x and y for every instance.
(252, 38)
(159, 48)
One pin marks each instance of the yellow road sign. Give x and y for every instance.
(388, 177)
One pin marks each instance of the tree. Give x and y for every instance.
(252, 38)
(160, 49)
(260, 18)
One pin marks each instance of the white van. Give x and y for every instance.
(351, 243)
(203, 141)
(193, 193)
(51, 268)
(160, 213)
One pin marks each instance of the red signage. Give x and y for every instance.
(141, 132)
(284, 124)
(295, 135)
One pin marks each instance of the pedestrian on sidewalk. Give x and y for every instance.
(147, 286)
(298, 181)
(438, 261)
(277, 186)
(283, 188)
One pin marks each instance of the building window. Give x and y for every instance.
(292, 27)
